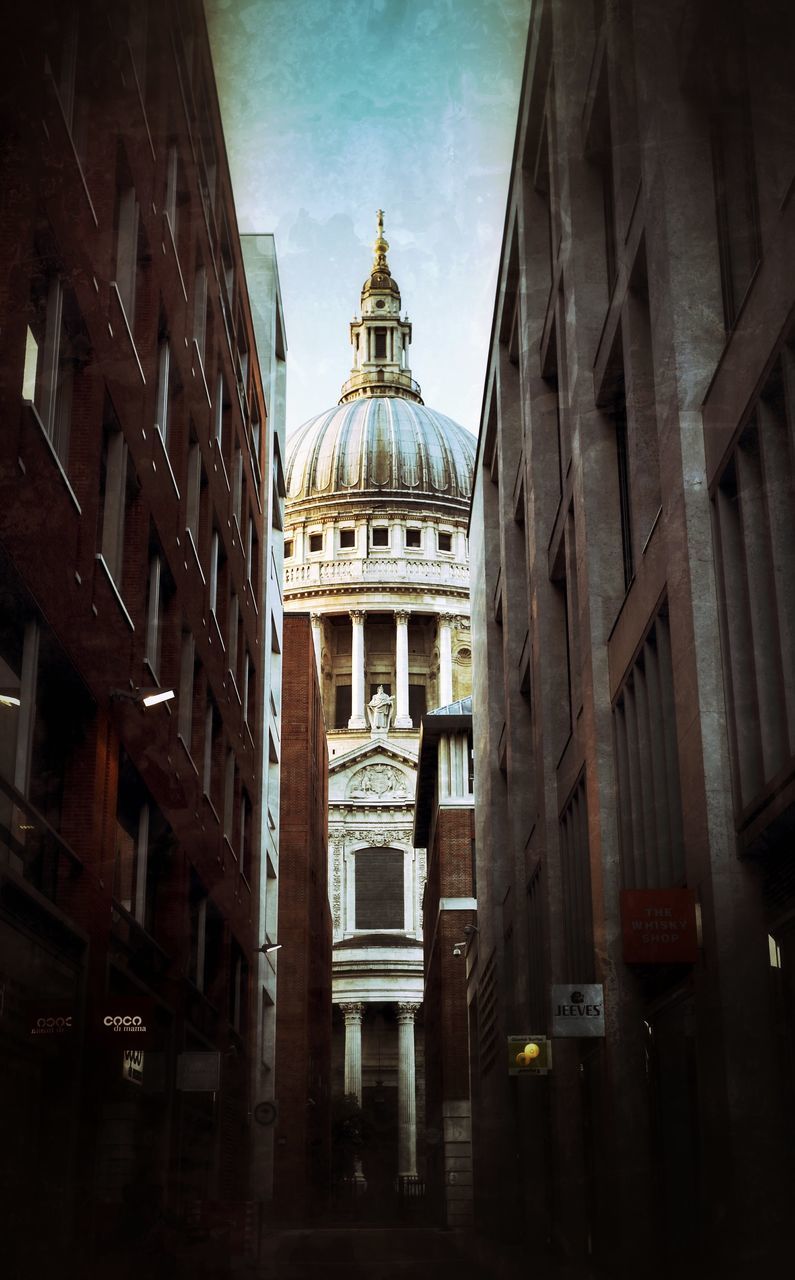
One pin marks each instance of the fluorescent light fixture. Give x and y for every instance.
(158, 695)
(8, 700)
(267, 947)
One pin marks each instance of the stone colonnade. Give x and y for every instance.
(353, 1012)
(403, 720)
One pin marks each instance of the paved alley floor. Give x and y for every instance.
(336, 1253)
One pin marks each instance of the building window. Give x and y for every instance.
(153, 615)
(222, 412)
(54, 342)
(113, 494)
(196, 483)
(200, 308)
(245, 835)
(445, 541)
(215, 556)
(206, 936)
(342, 706)
(232, 634)
(288, 548)
(144, 847)
(418, 702)
(252, 555)
(379, 889)
(212, 733)
(380, 344)
(380, 536)
(414, 538)
(315, 542)
(166, 385)
(238, 988)
(172, 201)
(347, 539)
(186, 680)
(128, 252)
(230, 772)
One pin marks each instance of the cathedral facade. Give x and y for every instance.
(378, 491)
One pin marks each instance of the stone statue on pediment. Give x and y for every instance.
(379, 710)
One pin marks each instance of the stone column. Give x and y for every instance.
(352, 1013)
(445, 659)
(407, 1092)
(317, 636)
(402, 717)
(357, 720)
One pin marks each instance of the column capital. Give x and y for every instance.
(402, 615)
(352, 1011)
(356, 615)
(446, 619)
(315, 618)
(406, 1013)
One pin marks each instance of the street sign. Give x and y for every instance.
(199, 1072)
(127, 1020)
(578, 1010)
(529, 1055)
(659, 926)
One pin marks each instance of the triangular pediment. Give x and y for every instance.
(378, 772)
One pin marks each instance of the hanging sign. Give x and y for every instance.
(578, 1010)
(529, 1055)
(659, 926)
(199, 1071)
(133, 1066)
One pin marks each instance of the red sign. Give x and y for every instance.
(659, 926)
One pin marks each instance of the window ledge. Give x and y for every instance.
(193, 547)
(166, 459)
(186, 750)
(106, 567)
(167, 221)
(35, 414)
(114, 288)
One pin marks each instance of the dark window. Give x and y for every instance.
(418, 703)
(379, 889)
(445, 541)
(288, 548)
(347, 538)
(380, 344)
(342, 707)
(380, 536)
(413, 537)
(316, 542)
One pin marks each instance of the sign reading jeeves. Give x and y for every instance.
(578, 1010)
(659, 926)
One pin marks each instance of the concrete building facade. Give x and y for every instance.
(137, 469)
(375, 548)
(302, 1164)
(632, 588)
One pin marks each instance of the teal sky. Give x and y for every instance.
(335, 108)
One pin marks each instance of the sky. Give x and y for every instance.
(333, 109)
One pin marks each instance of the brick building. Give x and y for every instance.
(302, 1162)
(444, 824)
(139, 478)
(633, 695)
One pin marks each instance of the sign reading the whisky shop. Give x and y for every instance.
(659, 926)
(578, 1010)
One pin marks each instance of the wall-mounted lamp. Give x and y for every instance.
(470, 929)
(267, 947)
(142, 697)
(8, 700)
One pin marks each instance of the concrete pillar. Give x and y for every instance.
(407, 1092)
(317, 637)
(402, 717)
(357, 720)
(445, 660)
(352, 1013)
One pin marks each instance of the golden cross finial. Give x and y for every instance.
(380, 247)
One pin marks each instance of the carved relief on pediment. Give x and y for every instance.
(379, 782)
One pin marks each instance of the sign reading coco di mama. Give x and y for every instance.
(659, 926)
(126, 1021)
(578, 1010)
